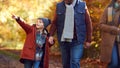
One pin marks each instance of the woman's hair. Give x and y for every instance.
(112, 3)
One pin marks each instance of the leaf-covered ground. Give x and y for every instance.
(55, 62)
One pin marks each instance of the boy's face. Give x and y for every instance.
(39, 24)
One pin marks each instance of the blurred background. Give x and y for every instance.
(12, 36)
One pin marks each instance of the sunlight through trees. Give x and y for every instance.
(13, 36)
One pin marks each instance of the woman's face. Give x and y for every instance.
(118, 1)
(39, 24)
(117, 4)
(68, 1)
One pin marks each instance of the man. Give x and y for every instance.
(74, 28)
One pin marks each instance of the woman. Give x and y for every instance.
(36, 46)
(110, 32)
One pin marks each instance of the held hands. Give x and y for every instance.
(51, 40)
(87, 45)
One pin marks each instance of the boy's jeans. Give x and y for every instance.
(36, 64)
(28, 63)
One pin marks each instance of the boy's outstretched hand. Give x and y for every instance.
(14, 16)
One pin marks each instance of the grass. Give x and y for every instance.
(9, 54)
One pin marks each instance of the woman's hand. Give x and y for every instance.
(87, 45)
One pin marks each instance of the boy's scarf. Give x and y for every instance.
(68, 30)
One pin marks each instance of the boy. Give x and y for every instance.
(35, 50)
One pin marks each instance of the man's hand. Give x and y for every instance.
(87, 44)
(51, 40)
(14, 17)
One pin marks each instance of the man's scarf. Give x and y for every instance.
(68, 30)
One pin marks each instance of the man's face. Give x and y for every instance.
(68, 1)
(39, 24)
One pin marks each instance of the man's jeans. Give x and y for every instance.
(71, 54)
(114, 58)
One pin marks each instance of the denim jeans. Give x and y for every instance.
(114, 58)
(71, 54)
(28, 63)
(36, 64)
(31, 64)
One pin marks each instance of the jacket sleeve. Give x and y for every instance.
(104, 27)
(88, 26)
(53, 26)
(25, 26)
